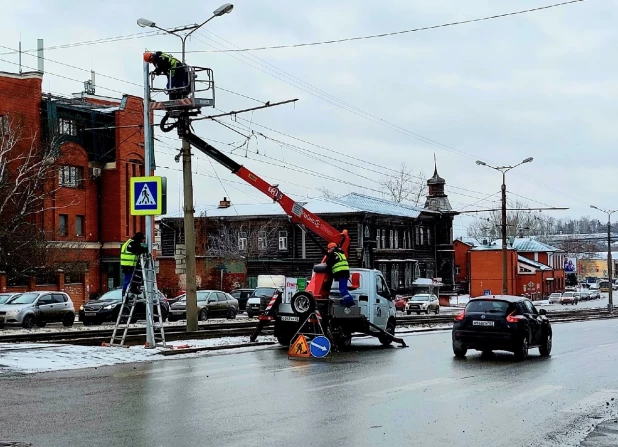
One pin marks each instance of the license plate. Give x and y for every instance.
(91, 314)
(285, 318)
(482, 323)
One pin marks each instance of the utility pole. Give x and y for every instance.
(189, 211)
(504, 170)
(610, 304)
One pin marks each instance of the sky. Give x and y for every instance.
(540, 85)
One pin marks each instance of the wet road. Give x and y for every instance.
(368, 397)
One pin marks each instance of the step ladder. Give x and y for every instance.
(142, 289)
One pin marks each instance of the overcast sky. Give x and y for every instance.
(541, 84)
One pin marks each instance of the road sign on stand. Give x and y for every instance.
(319, 346)
(147, 196)
(299, 348)
(487, 292)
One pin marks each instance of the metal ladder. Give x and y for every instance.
(144, 279)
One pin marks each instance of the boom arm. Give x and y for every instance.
(297, 213)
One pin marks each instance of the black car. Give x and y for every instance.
(502, 323)
(242, 295)
(107, 306)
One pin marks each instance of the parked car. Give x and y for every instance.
(502, 323)
(554, 298)
(242, 295)
(38, 308)
(259, 299)
(210, 304)
(595, 295)
(400, 302)
(107, 306)
(569, 298)
(423, 302)
(584, 295)
(6, 297)
(570, 289)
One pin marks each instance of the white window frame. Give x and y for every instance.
(67, 126)
(391, 243)
(422, 230)
(378, 238)
(70, 176)
(396, 237)
(242, 241)
(383, 238)
(283, 241)
(262, 240)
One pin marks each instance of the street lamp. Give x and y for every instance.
(610, 304)
(189, 224)
(504, 170)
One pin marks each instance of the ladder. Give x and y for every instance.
(142, 289)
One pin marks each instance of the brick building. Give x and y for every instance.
(533, 268)
(98, 144)
(403, 241)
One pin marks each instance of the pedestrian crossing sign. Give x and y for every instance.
(300, 348)
(147, 196)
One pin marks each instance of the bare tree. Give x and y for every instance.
(26, 179)
(325, 192)
(246, 240)
(404, 186)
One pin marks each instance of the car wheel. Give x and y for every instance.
(418, 313)
(521, 351)
(390, 328)
(68, 320)
(427, 312)
(408, 312)
(545, 348)
(231, 314)
(203, 315)
(344, 342)
(437, 310)
(249, 315)
(460, 353)
(41, 323)
(28, 322)
(303, 304)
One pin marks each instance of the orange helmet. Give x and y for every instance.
(332, 245)
(148, 56)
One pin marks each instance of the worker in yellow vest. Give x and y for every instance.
(337, 262)
(129, 254)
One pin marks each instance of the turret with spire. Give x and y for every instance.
(437, 200)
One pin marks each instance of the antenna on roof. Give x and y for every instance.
(19, 49)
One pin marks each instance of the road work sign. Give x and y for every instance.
(320, 347)
(147, 196)
(299, 348)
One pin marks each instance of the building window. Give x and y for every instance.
(4, 125)
(418, 236)
(382, 268)
(457, 270)
(378, 238)
(71, 176)
(422, 231)
(428, 236)
(262, 241)
(242, 241)
(67, 127)
(367, 233)
(408, 275)
(383, 238)
(283, 240)
(79, 225)
(63, 225)
(391, 239)
(394, 276)
(396, 238)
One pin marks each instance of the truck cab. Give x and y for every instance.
(374, 304)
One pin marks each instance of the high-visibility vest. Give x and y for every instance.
(341, 264)
(171, 59)
(127, 259)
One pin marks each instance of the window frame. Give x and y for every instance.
(71, 176)
(67, 126)
(80, 219)
(262, 240)
(63, 230)
(283, 240)
(242, 241)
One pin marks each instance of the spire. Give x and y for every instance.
(436, 179)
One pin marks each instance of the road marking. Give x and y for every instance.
(530, 396)
(455, 394)
(350, 382)
(203, 372)
(591, 401)
(412, 386)
(153, 371)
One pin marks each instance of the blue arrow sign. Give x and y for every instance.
(319, 346)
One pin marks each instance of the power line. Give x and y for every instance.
(394, 33)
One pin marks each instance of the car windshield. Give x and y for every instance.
(487, 307)
(420, 298)
(4, 297)
(25, 298)
(568, 294)
(555, 294)
(264, 291)
(112, 295)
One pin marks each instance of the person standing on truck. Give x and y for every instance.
(129, 254)
(337, 262)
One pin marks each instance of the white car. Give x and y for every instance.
(554, 298)
(423, 302)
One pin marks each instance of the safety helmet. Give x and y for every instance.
(148, 56)
(332, 245)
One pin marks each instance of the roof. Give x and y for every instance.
(436, 179)
(536, 264)
(532, 245)
(509, 298)
(492, 246)
(470, 241)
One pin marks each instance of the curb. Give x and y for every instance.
(215, 348)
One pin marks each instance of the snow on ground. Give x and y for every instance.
(460, 300)
(27, 358)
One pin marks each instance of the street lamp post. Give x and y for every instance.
(610, 304)
(189, 223)
(504, 170)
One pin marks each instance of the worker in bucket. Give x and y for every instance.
(129, 254)
(172, 68)
(337, 262)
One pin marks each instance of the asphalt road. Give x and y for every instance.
(371, 396)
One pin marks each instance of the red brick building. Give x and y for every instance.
(533, 268)
(99, 141)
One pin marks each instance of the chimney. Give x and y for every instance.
(225, 203)
(40, 57)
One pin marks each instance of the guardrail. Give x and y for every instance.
(136, 335)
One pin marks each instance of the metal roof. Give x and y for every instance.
(382, 206)
(536, 264)
(532, 245)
